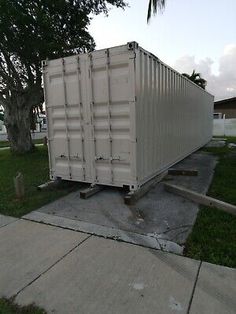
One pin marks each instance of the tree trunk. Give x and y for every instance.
(17, 116)
(17, 121)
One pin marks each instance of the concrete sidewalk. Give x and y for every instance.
(66, 271)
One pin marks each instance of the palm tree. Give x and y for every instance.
(153, 6)
(196, 78)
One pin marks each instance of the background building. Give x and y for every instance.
(227, 107)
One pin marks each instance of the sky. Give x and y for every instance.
(190, 34)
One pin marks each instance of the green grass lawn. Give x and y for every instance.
(213, 238)
(8, 307)
(34, 167)
(6, 143)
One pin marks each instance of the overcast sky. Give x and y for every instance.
(190, 34)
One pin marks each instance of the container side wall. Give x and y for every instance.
(174, 116)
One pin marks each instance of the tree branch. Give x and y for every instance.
(30, 74)
(8, 80)
(38, 76)
(11, 67)
(2, 100)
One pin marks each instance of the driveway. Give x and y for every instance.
(158, 220)
(65, 271)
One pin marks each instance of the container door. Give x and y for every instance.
(65, 84)
(111, 107)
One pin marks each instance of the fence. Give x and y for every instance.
(224, 127)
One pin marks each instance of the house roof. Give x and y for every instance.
(225, 101)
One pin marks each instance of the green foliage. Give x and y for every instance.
(35, 30)
(153, 6)
(32, 31)
(213, 238)
(196, 78)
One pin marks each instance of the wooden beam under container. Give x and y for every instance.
(200, 198)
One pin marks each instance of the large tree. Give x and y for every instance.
(31, 31)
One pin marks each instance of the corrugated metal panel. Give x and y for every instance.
(65, 86)
(173, 114)
(90, 102)
(119, 116)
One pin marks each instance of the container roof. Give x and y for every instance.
(226, 101)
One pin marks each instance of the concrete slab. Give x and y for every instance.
(216, 143)
(28, 249)
(6, 220)
(105, 276)
(158, 214)
(150, 241)
(215, 290)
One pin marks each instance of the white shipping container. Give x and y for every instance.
(120, 116)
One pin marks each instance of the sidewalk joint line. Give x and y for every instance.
(129, 234)
(51, 266)
(194, 288)
(9, 223)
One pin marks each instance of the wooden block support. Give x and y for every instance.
(200, 198)
(90, 191)
(49, 185)
(132, 197)
(182, 172)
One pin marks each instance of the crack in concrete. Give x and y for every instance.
(111, 233)
(194, 288)
(176, 228)
(9, 223)
(175, 237)
(50, 267)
